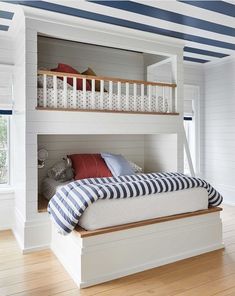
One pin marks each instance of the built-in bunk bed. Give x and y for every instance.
(112, 219)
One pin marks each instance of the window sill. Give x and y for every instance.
(6, 190)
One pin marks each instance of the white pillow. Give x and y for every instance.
(50, 84)
(137, 169)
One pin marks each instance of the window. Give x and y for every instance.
(4, 150)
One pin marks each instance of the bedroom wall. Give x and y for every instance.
(58, 146)
(6, 194)
(219, 136)
(104, 61)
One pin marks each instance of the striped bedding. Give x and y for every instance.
(71, 200)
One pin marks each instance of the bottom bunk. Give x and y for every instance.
(97, 256)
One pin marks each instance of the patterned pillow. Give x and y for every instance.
(50, 84)
(137, 169)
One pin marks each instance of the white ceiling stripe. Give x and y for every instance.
(199, 56)
(126, 15)
(209, 47)
(5, 22)
(193, 11)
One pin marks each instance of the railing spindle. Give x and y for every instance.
(74, 92)
(65, 95)
(93, 94)
(127, 96)
(149, 97)
(101, 94)
(44, 90)
(84, 92)
(55, 91)
(156, 99)
(119, 89)
(110, 95)
(135, 96)
(142, 97)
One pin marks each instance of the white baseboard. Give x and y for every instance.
(32, 235)
(6, 211)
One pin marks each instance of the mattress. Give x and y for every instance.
(109, 103)
(112, 212)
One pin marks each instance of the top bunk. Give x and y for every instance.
(64, 88)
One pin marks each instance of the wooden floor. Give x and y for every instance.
(41, 274)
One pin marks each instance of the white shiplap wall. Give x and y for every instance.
(103, 60)
(219, 137)
(6, 58)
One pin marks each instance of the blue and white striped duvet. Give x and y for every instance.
(70, 202)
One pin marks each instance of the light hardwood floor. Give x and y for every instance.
(41, 274)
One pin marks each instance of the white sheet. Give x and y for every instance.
(112, 212)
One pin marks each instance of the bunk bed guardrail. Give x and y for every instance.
(113, 95)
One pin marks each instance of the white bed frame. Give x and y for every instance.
(135, 247)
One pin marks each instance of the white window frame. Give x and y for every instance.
(8, 184)
(196, 121)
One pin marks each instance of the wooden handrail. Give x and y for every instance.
(70, 75)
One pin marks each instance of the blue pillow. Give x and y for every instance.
(117, 164)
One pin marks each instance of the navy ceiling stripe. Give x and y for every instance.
(4, 28)
(205, 52)
(195, 60)
(5, 112)
(216, 6)
(6, 15)
(169, 16)
(124, 23)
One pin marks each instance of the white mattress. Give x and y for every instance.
(112, 212)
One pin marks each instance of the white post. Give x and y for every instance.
(55, 91)
(74, 92)
(156, 99)
(149, 97)
(119, 87)
(84, 92)
(135, 96)
(102, 94)
(44, 90)
(110, 95)
(65, 96)
(188, 154)
(142, 97)
(127, 96)
(93, 94)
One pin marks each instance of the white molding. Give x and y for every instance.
(48, 16)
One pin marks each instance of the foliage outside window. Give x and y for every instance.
(4, 149)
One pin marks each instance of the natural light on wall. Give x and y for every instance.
(6, 105)
(4, 148)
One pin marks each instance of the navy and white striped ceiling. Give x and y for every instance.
(208, 27)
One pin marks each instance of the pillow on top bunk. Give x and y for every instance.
(90, 72)
(68, 69)
(117, 164)
(89, 166)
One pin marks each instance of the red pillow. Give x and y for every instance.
(68, 69)
(89, 166)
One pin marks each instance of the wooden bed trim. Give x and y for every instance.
(113, 79)
(87, 233)
(105, 111)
